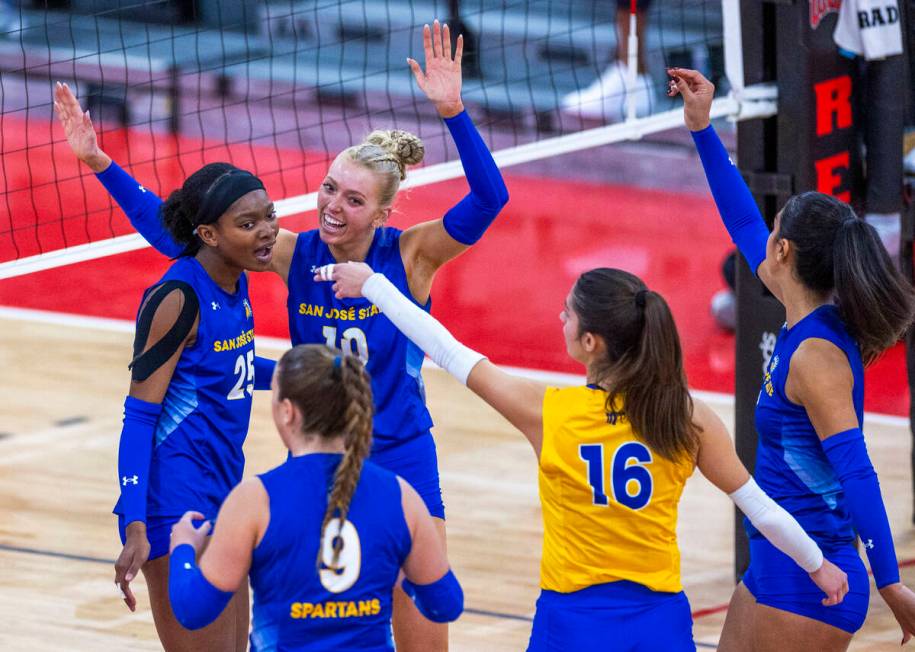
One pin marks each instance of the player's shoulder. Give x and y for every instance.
(168, 301)
(820, 363)
(572, 397)
(374, 474)
(387, 240)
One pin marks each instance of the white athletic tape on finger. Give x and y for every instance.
(326, 272)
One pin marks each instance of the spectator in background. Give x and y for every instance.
(876, 45)
(724, 302)
(606, 97)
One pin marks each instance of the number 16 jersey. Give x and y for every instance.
(609, 502)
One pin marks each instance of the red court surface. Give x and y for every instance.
(504, 296)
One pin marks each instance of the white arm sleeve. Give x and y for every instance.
(421, 327)
(778, 526)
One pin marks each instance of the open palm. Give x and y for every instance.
(78, 128)
(441, 81)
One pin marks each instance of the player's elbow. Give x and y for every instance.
(447, 610)
(441, 602)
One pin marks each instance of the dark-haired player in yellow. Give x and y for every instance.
(614, 457)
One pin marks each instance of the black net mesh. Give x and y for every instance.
(280, 87)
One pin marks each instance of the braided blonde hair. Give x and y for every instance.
(334, 393)
(388, 153)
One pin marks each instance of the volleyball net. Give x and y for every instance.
(280, 87)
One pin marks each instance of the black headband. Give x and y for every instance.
(224, 192)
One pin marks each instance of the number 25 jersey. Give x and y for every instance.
(197, 455)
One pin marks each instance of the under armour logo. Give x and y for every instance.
(215, 305)
(187, 566)
(132, 480)
(142, 189)
(869, 544)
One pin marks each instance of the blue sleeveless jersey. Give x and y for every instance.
(197, 456)
(790, 463)
(296, 607)
(358, 327)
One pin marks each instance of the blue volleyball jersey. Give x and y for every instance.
(790, 463)
(298, 607)
(357, 327)
(197, 456)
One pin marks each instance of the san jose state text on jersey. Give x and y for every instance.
(206, 410)
(358, 327)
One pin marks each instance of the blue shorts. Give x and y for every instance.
(618, 617)
(415, 461)
(776, 581)
(158, 532)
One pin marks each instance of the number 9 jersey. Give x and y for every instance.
(197, 455)
(609, 502)
(345, 604)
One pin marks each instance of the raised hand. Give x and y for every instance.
(441, 81)
(832, 581)
(348, 278)
(698, 93)
(78, 129)
(132, 557)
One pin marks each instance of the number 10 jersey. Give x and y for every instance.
(357, 327)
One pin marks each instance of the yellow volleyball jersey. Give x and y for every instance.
(609, 502)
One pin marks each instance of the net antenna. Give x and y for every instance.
(741, 103)
(632, 59)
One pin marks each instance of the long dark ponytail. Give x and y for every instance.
(644, 365)
(837, 251)
(334, 393)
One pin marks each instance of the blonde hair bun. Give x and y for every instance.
(407, 148)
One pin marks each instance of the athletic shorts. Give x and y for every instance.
(776, 581)
(158, 532)
(416, 462)
(614, 617)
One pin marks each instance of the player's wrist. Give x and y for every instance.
(135, 529)
(890, 591)
(449, 109)
(698, 124)
(98, 162)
